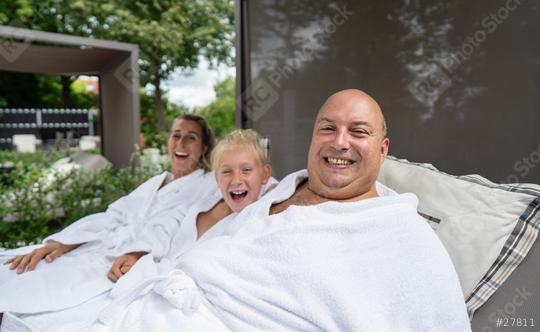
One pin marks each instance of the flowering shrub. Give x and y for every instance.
(33, 207)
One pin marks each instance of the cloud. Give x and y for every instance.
(196, 88)
(191, 96)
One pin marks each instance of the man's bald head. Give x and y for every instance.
(348, 146)
(357, 96)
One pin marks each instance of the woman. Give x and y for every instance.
(242, 173)
(89, 246)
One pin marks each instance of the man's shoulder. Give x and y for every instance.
(383, 190)
(283, 191)
(286, 188)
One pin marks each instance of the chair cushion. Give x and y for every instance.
(487, 228)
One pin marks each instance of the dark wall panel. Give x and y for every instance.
(459, 82)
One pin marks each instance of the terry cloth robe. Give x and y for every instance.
(370, 265)
(165, 238)
(82, 273)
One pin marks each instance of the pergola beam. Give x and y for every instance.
(28, 51)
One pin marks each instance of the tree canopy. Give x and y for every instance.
(171, 34)
(221, 112)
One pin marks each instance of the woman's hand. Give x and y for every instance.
(123, 264)
(49, 252)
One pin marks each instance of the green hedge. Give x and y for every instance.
(32, 207)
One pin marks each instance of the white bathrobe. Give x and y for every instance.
(81, 274)
(166, 239)
(371, 265)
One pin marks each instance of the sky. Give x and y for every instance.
(192, 88)
(196, 88)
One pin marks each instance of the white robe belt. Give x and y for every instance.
(176, 287)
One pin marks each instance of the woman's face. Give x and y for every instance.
(185, 147)
(240, 177)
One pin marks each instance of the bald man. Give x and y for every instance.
(348, 147)
(329, 249)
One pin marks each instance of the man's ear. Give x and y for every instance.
(267, 172)
(384, 148)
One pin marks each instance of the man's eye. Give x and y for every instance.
(359, 132)
(326, 129)
(247, 170)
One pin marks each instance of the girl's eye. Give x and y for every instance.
(247, 170)
(226, 171)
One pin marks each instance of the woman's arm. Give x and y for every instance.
(49, 252)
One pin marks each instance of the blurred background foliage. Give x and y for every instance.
(172, 35)
(36, 200)
(221, 112)
(19, 90)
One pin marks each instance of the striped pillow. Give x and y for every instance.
(486, 228)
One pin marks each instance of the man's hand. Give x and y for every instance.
(49, 252)
(123, 264)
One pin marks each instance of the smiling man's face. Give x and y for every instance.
(347, 147)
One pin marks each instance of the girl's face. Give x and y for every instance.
(185, 147)
(240, 176)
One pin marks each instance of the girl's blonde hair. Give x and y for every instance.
(243, 137)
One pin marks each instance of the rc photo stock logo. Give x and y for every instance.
(258, 98)
(261, 95)
(15, 43)
(523, 167)
(433, 80)
(431, 83)
(126, 75)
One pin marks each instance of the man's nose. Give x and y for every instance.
(341, 140)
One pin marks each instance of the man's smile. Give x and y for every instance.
(338, 162)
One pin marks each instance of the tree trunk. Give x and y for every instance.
(66, 91)
(158, 103)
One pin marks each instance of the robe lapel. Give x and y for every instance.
(152, 194)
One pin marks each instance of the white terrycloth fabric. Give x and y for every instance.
(371, 265)
(166, 240)
(81, 274)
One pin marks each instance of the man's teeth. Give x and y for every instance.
(181, 154)
(337, 161)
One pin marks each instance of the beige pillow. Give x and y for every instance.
(486, 228)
